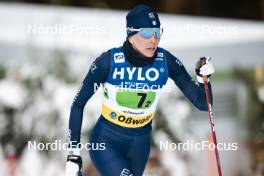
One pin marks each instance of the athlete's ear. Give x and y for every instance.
(130, 39)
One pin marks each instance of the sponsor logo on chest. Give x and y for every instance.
(119, 58)
(128, 73)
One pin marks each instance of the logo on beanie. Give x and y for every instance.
(151, 15)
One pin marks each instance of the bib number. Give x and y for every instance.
(135, 99)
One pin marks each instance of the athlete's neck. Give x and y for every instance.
(134, 57)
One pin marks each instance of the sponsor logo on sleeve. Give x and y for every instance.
(119, 58)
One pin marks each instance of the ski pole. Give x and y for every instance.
(210, 114)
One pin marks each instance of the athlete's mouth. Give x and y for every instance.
(151, 48)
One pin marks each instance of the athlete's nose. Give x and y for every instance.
(152, 39)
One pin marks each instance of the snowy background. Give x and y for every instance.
(41, 72)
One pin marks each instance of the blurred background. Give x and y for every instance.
(47, 46)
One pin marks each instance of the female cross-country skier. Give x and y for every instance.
(132, 76)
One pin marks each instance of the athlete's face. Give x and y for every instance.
(146, 47)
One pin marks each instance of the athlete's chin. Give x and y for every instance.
(149, 53)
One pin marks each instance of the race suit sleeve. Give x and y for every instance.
(96, 75)
(194, 91)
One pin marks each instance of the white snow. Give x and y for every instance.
(12, 94)
(32, 164)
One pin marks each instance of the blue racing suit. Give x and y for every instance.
(125, 123)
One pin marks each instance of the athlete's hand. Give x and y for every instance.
(204, 68)
(74, 163)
